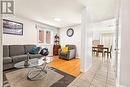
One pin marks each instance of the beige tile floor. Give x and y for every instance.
(101, 74)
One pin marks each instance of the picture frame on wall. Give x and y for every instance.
(12, 27)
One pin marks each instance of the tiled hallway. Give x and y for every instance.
(101, 74)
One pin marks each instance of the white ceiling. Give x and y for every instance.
(68, 10)
(46, 10)
(108, 26)
(100, 10)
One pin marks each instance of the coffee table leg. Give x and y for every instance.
(37, 72)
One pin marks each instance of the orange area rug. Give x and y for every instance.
(71, 67)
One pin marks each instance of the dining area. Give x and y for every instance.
(101, 50)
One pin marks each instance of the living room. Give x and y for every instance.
(22, 33)
(50, 44)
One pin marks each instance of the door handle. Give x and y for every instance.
(116, 49)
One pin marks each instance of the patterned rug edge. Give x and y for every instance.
(63, 82)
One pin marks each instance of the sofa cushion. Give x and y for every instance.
(35, 50)
(8, 66)
(19, 58)
(7, 60)
(28, 48)
(35, 56)
(64, 54)
(5, 51)
(16, 50)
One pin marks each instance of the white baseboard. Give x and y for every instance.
(85, 70)
(121, 86)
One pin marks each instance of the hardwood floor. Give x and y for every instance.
(71, 67)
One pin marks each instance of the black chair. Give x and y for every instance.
(94, 50)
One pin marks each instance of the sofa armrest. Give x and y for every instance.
(72, 50)
(72, 53)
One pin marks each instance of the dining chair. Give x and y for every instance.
(100, 49)
(94, 50)
(108, 52)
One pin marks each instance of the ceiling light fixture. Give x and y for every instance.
(57, 19)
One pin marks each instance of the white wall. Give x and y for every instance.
(107, 26)
(30, 33)
(74, 40)
(125, 43)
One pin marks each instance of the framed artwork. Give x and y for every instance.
(12, 27)
(70, 32)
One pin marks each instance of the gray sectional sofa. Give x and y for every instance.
(13, 54)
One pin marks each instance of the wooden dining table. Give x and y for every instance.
(103, 48)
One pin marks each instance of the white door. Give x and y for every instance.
(117, 46)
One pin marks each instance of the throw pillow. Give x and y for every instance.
(64, 49)
(34, 50)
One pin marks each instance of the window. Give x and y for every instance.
(45, 36)
(41, 36)
(48, 37)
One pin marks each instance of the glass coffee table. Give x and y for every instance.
(36, 68)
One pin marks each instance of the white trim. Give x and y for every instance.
(85, 70)
(121, 85)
